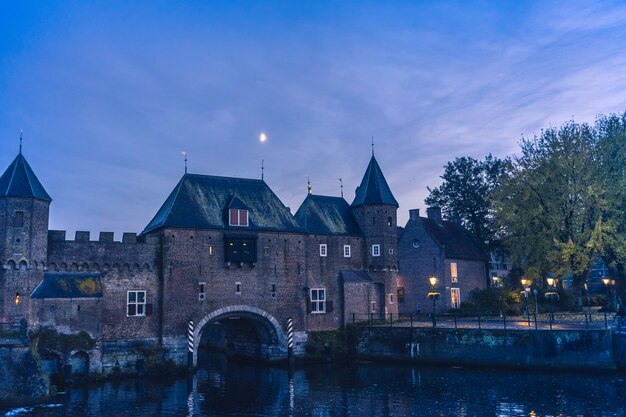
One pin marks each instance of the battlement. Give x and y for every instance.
(56, 236)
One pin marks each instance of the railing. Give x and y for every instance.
(546, 321)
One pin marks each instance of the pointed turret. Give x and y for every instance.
(24, 209)
(374, 189)
(19, 180)
(375, 210)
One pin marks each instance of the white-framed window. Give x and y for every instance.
(373, 306)
(346, 251)
(455, 297)
(323, 249)
(390, 251)
(318, 300)
(135, 303)
(376, 250)
(238, 217)
(202, 291)
(238, 288)
(453, 272)
(390, 298)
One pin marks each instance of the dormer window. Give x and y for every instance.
(238, 217)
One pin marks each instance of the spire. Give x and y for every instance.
(374, 189)
(19, 180)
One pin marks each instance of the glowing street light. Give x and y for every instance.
(433, 295)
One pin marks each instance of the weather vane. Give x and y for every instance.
(185, 155)
(309, 189)
(21, 131)
(262, 168)
(341, 185)
(372, 145)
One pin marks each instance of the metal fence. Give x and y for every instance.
(547, 321)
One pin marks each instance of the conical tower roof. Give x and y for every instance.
(19, 180)
(374, 189)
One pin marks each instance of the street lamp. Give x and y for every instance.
(552, 295)
(433, 295)
(526, 284)
(608, 283)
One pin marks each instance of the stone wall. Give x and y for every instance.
(559, 349)
(21, 379)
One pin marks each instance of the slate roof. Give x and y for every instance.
(69, 285)
(324, 215)
(457, 241)
(202, 202)
(19, 180)
(374, 188)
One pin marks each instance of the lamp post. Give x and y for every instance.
(608, 283)
(433, 295)
(552, 295)
(586, 284)
(526, 284)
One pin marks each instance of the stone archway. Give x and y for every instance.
(272, 349)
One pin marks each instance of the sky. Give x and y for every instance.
(110, 93)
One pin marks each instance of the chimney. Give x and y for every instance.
(414, 214)
(434, 213)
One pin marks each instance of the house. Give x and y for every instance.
(429, 246)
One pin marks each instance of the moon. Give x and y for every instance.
(262, 137)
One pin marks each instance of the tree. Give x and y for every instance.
(550, 206)
(466, 194)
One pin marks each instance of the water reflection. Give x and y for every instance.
(222, 389)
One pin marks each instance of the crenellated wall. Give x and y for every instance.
(132, 254)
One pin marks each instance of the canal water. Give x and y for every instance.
(230, 389)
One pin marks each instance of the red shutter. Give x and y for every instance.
(149, 309)
(308, 304)
(329, 306)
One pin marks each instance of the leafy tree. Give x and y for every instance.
(466, 194)
(549, 207)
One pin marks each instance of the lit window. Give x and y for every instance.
(211, 250)
(323, 249)
(202, 291)
(375, 250)
(318, 300)
(18, 221)
(453, 272)
(346, 251)
(455, 297)
(238, 217)
(136, 305)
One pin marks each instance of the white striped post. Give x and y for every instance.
(190, 344)
(289, 339)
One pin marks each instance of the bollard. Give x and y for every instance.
(479, 322)
(504, 320)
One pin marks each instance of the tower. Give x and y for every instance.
(375, 209)
(24, 210)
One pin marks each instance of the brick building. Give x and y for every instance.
(429, 246)
(222, 253)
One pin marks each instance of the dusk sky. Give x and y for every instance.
(110, 93)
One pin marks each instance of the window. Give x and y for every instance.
(390, 298)
(266, 251)
(390, 251)
(237, 217)
(18, 221)
(238, 288)
(323, 249)
(240, 250)
(202, 292)
(375, 250)
(373, 306)
(455, 297)
(318, 300)
(453, 272)
(400, 293)
(211, 250)
(346, 251)
(136, 305)
(273, 291)
(389, 221)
